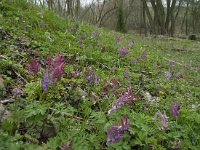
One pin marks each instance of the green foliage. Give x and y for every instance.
(74, 111)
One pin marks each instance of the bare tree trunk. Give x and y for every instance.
(152, 27)
(78, 5)
(172, 29)
(168, 16)
(144, 18)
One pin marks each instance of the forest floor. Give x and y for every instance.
(66, 85)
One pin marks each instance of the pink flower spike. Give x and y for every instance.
(127, 98)
(34, 67)
(116, 133)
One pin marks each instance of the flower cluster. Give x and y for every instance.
(127, 98)
(164, 120)
(17, 92)
(123, 52)
(54, 71)
(175, 110)
(34, 67)
(116, 133)
(46, 81)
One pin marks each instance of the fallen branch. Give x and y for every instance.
(21, 77)
(6, 101)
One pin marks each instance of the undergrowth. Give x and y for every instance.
(74, 86)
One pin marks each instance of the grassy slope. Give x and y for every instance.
(29, 32)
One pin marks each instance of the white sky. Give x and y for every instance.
(85, 2)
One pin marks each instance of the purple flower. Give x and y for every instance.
(59, 60)
(175, 110)
(17, 91)
(96, 79)
(56, 67)
(49, 61)
(127, 98)
(46, 81)
(54, 71)
(164, 120)
(126, 74)
(123, 52)
(116, 133)
(34, 67)
(58, 72)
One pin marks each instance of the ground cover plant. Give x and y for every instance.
(66, 85)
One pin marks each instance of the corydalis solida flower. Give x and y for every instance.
(127, 98)
(46, 81)
(116, 133)
(164, 120)
(56, 67)
(54, 71)
(123, 52)
(175, 110)
(17, 91)
(34, 67)
(58, 72)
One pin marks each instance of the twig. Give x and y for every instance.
(6, 101)
(21, 77)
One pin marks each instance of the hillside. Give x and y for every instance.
(67, 85)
